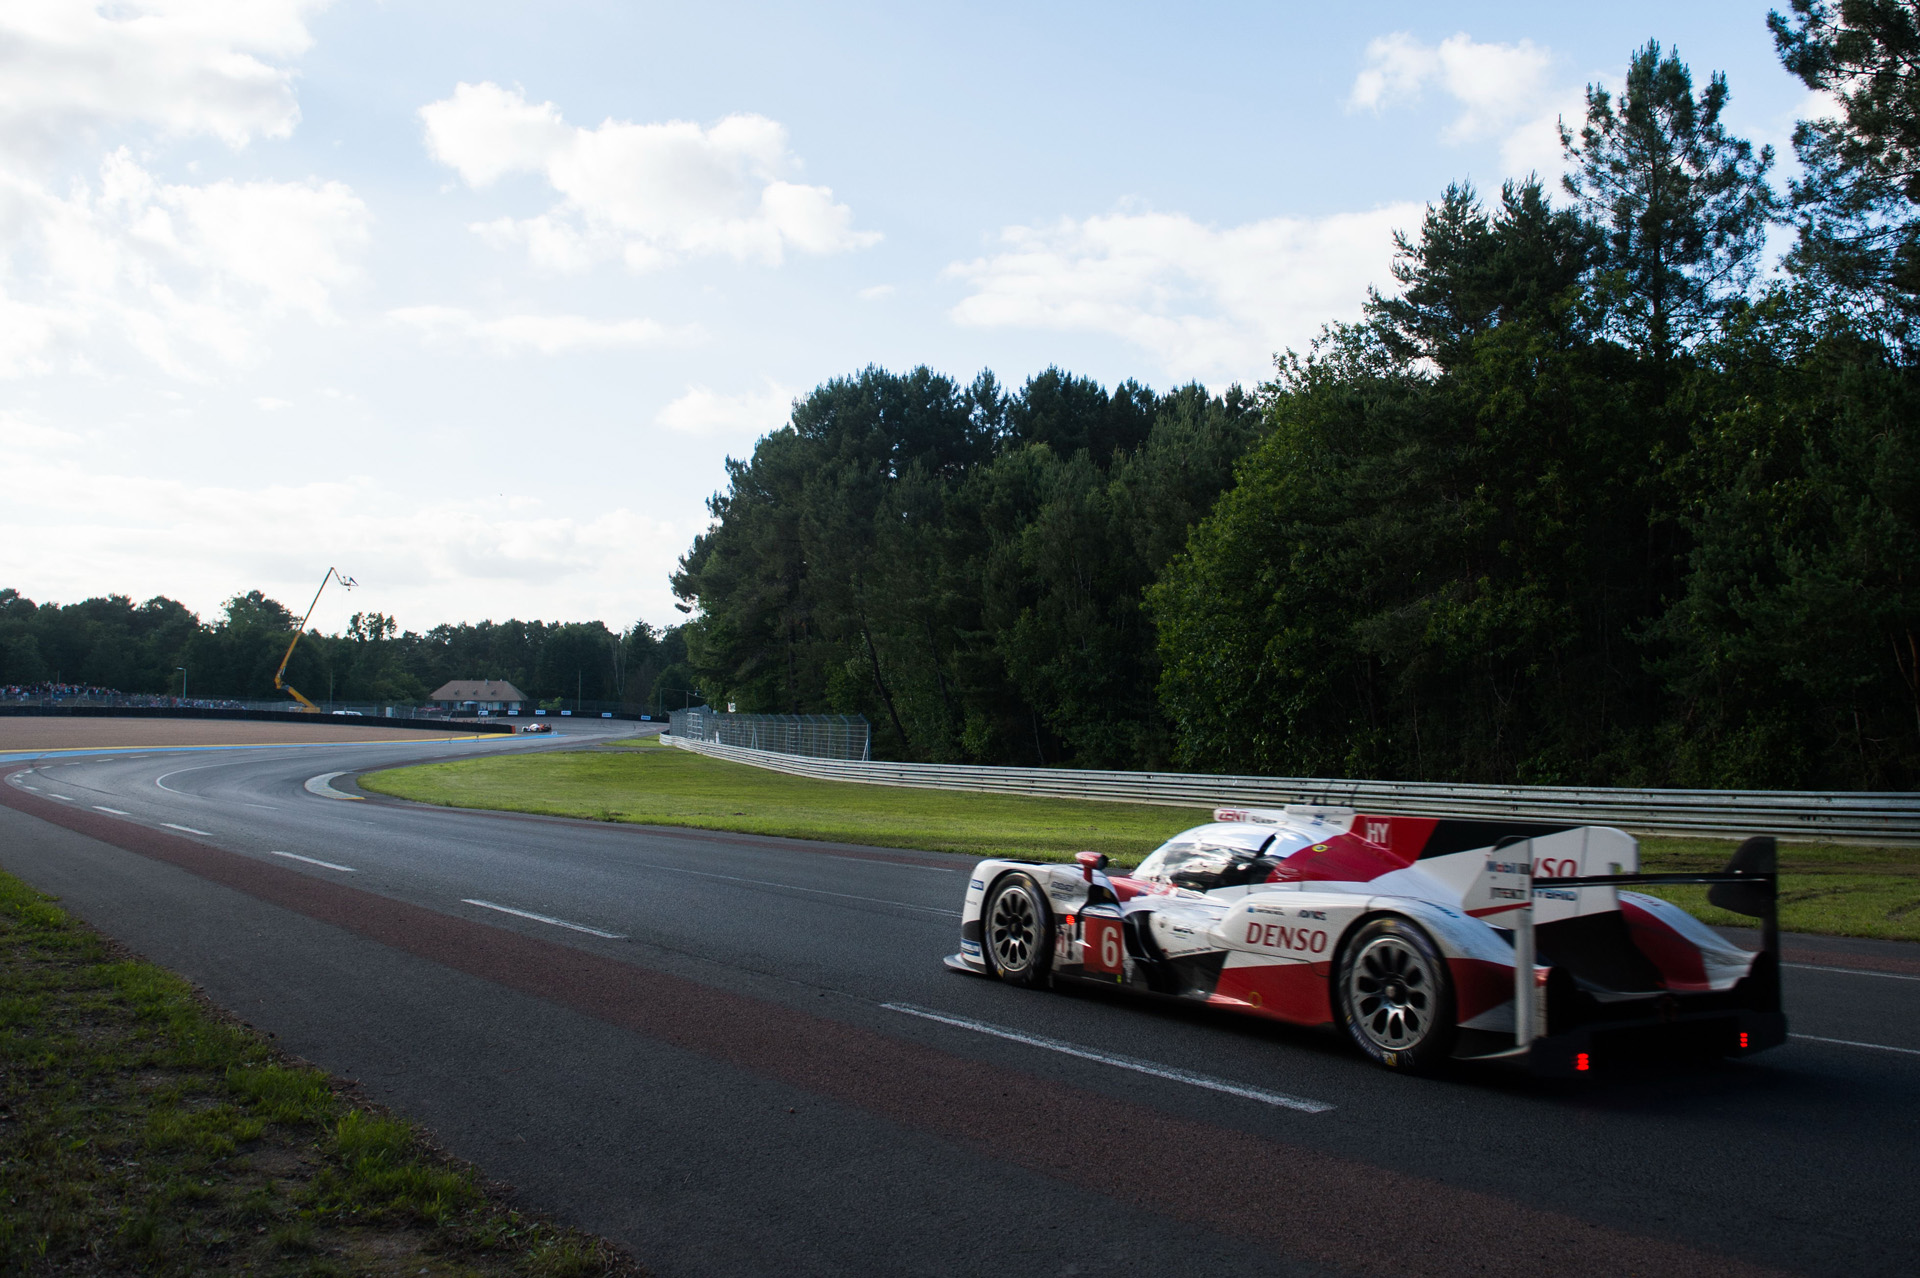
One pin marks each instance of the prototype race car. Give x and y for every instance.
(1412, 933)
(536, 727)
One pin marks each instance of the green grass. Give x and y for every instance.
(142, 1131)
(1839, 890)
(1829, 888)
(659, 785)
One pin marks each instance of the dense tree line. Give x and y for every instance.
(1586, 499)
(963, 565)
(139, 648)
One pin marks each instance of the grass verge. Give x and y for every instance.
(659, 785)
(1828, 888)
(144, 1131)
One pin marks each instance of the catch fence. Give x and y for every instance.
(843, 737)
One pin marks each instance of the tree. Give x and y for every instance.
(1858, 202)
(1466, 272)
(1684, 205)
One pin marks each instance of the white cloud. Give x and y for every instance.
(77, 527)
(545, 334)
(268, 404)
(183, 67)
(1497, 86)
(645, 193)
(877, 293)
(1208, 302)
(175, 271)
(701, 411)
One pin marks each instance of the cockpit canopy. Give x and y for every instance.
(1216, 856)
(1236, 854)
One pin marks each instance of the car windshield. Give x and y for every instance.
(1222, 856)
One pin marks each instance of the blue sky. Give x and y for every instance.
(472, 300)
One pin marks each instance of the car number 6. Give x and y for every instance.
(1103, 947)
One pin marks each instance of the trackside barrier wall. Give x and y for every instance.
(820, 736)
(1846, 816)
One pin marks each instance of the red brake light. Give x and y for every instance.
(1743, 1038)
(1581, 1061)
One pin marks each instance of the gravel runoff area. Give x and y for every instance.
(58, 732)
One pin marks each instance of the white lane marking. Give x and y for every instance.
(880, 860)
(1848, 1042)
(161, 780)
(187, 829)
(318, 785)
(63, 798)
(115, 811)
(1849, 971)
(791, 887)
(543, 918)
(1212, 1084)
(325, 865)
(34, 788)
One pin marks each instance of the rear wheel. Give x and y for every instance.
(1018, 930)
(1395, 996)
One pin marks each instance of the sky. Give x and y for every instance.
(473, 300)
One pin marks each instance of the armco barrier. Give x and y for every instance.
(1845, 816)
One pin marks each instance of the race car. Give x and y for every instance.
(1425, 939)
(536, 727)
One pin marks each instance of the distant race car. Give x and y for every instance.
(536, 727)
(1408, 932)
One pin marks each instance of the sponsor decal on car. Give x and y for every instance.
(1278, 936)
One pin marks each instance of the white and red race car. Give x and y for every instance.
(1409, 932)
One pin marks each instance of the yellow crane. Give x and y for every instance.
(280, 684)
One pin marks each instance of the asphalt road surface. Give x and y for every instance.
(741, 1055)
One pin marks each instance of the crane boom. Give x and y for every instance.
(279, 683)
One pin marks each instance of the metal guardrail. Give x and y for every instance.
(820, 736)
(1845, 816)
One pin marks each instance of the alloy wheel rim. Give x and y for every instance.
(1390, 987)
(1011, 930)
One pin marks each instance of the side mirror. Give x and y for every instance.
(1089, 862)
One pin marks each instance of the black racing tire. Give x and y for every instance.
(1016, 931)
(1394, 996)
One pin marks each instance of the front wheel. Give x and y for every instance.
(1395, 996)
(1019, 931)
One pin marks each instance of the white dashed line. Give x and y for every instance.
(325, 865)
(1212, 1084)
(115, 811)
(187, 829)
(543, 918)
(1848, 1042)
(63, 798)
(1849, 971)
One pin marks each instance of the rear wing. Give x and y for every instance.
(1750, 885)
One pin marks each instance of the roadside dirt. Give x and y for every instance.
(57, 732)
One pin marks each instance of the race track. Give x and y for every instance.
(741, 1055)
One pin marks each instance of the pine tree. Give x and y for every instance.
(1684, 205)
